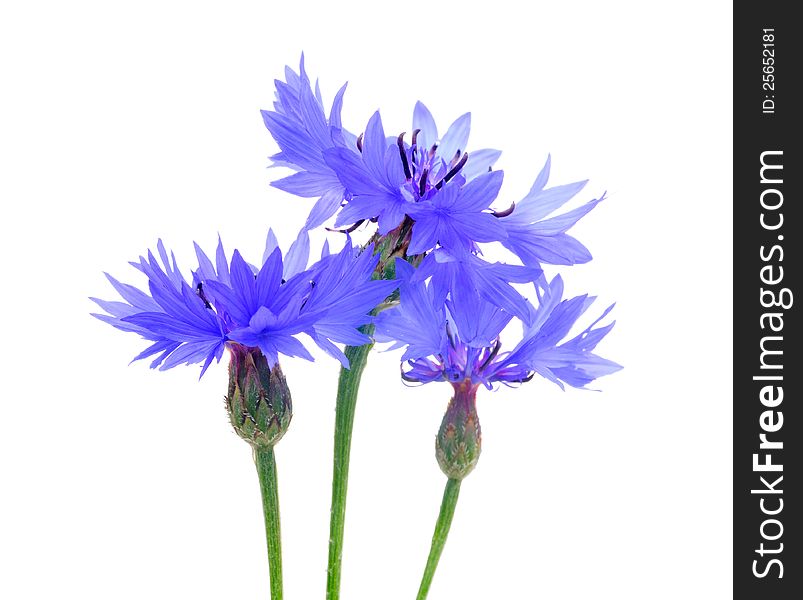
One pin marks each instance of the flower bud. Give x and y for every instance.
(259, 403)
(458, 444)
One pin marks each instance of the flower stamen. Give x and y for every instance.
(348, 229)
(504, 213)
(414, 151)
(450, 335)
(202, 296)
(492, 355)
(454, 171)
(408, 378)
(403, 153)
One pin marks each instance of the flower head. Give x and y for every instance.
(460, 341)
(430, 187)
(231, 302)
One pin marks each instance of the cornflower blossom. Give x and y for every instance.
(231, 303)
(459, 341)
(451, 331)
(324, 154)
(433, 188)
(257, 314)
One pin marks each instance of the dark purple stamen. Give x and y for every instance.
(359, 142)
(304, 303)
(407, 378)
(203, 296)
(414, 151)
(432, 151)
(450, 335)
(454, 171)
(504, 213)
(492, 355)
(348, 230)
(422, 183)
(403, 153)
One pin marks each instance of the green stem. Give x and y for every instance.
(266, 469)
(347, 389)
(448, 504)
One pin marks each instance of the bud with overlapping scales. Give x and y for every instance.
(459, 440)
(258, 402)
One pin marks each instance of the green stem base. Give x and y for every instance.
(442, 526)
(266, 469)
(347, 389)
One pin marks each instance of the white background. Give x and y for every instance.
(123, 123)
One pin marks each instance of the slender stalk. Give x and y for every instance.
(389, 247)
(347, 389)
(266, 469)
(448, 504)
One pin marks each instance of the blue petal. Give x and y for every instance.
(374, 146)
(563, 222)
(480, 192)
(423, 120)
(337, 107)
(271, 243)
(479, 162)
(298, 255)
(536, 206)
(307, 184)
(455, 138)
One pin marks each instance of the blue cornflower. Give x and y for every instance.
(430, 190)
(233, 303)
(459, 341)
(383, 179)
(376, 178)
